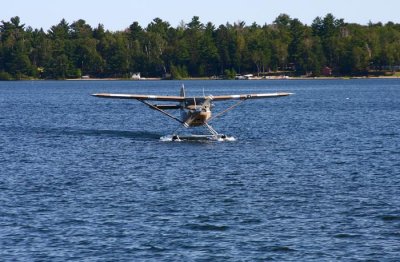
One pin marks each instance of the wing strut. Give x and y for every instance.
(227, 110)
(161, 111)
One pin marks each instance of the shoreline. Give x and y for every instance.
(251, 79)
(215, 79)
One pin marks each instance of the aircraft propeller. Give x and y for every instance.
(203, 108)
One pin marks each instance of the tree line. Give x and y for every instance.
(195, 49)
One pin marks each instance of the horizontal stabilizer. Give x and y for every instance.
(166, 107)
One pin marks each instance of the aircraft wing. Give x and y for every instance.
(142, 97)
(181, 99)
(249, 96)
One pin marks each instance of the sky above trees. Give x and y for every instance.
(117, 14)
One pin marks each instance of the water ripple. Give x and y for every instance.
(311, 177)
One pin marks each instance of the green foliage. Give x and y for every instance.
(4, 76)
(179, 72)
(230, 73)
(196, 49)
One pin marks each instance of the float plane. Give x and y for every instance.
(195, 111)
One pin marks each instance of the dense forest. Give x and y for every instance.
(195, 49)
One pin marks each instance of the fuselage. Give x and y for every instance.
(194, 114)
(198, 118)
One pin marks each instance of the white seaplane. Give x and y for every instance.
(195, 111)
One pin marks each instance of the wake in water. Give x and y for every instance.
(96, 133)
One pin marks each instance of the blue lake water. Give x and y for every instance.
(311, 177)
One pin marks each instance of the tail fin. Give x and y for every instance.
(183, 93)
(182, 104)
